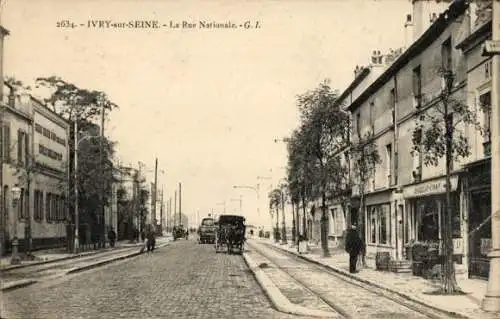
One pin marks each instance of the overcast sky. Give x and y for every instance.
(207, 102)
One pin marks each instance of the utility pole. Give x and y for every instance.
(154, 192)
(180, 203)
(161, 210)
(170, 213)
(491, 301)
(175, 207)
(103, 184)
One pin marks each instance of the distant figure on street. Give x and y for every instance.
(111, 237)
(353, 246)
(151, 240)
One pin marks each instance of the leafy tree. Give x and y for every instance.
(275, 203)
(364, 158)
(439, 133)
(85, 107)
(324, 129)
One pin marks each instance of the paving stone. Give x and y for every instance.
(183, 280)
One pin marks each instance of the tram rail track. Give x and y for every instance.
(346, 296)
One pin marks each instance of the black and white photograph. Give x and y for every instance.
(263, 159)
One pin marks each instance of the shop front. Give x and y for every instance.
(424, 218)
(478, 190)
(380, 223)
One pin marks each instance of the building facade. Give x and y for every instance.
(405, 199)
(34, 159)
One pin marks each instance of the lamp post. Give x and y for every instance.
(256, 189)
(16, 195)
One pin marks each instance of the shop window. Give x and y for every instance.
(379, 224)
(428, 215)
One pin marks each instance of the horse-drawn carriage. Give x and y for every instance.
(179, 232)
(230, 233)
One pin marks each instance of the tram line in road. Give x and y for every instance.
(348, 297)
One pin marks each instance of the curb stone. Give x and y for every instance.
(44, 262)
(18, 284)
(403, 295)
(281, 302)
(27, 282)
(108, 261)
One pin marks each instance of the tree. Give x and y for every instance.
(84, 107)
(324, 130)
(438, 134)
(275, 203)
(364, 158)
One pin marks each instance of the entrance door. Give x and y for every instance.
(479, 234)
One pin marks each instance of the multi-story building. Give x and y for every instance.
(35, 159)
(477, 180)
(405, 199)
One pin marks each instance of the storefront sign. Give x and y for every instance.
(430, 188)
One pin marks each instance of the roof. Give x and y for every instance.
(456, 8)
(357, 80)
(4, 31)
(230, 218)
(471, 40)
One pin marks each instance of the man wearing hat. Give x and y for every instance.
(353, 245)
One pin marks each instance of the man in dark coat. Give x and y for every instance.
(353, 246)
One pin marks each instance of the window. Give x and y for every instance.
(417, 86)
(488, 70)
(485, 103)
(388, 149)
(21, 205)
(446, 55)
(38, 128)
(46, 132)
(418, 158)
(38, 205)
(20, 147)
(379, 224)
(48, 212)
(358, 123)
(372, 116)
(392, 103)
(207, 222)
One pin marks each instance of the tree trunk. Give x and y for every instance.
(304, 219)
(294, 240)
(361, 226)
(297, 226)
(449, 283)
(324, 227)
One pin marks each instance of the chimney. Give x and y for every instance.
(424, 14)
(408, 31)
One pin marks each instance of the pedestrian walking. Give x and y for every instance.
(353, 246)
(111, 236)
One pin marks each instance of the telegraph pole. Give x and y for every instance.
(491, 301)
(161, 210)
(175, 206)
(170, 213)
(154, 190)
(180, 203)
(101, 163)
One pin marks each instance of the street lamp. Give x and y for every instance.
(16, 195)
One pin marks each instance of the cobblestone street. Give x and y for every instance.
(183, 280)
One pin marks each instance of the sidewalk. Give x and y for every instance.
(405, 284)
(57, 254)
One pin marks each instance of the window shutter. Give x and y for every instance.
(20, 140)
(27, 149)
(6, 143)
